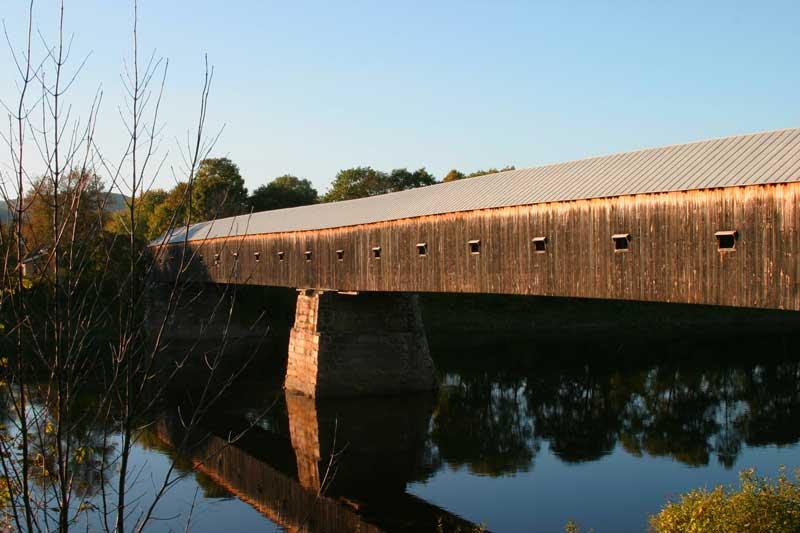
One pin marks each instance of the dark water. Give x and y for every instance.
(517, 439)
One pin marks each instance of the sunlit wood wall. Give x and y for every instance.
(673, 254)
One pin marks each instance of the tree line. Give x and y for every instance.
(218, 191)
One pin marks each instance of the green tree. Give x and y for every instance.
(146, 204)
(357, 182)
(218, 190)
(453, 175)
(401, 179)
(490, 171)
(69, 222)
(171, 210)
(81, 202)
(360, 182)
(283, 191)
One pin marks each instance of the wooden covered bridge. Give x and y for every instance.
(712, 222)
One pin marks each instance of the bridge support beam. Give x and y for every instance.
(354, 345)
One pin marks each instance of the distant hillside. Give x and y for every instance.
(115, 202)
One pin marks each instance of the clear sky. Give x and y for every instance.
(309, 88)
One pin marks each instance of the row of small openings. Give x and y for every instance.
(539, 244)
(726, 241)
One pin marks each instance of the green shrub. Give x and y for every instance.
(759, 505)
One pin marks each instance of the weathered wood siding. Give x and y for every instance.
(673, 254)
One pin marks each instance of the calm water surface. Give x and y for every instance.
(515, 439)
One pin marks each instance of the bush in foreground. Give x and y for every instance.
(759, 505)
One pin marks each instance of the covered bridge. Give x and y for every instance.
(710, 222)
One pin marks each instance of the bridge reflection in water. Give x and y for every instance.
(344, 465)
(329, 465)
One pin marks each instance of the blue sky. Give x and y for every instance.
(309, 88)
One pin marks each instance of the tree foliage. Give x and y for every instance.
(455, 175)
(156, 210)
(73, 215)
(283, 191)
(401, 179)
(218, 191)
(758, 505)
(169, 212)
(361, 182)
(146, 204)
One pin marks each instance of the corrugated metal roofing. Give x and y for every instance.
(760, 158)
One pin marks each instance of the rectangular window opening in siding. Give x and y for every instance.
(376, 252)
(726, 240)
(621, 242)
(340, 255)
(422, 249)
(474, 246)
(257, 256)
(281, 256)
(307, 255)
(216, 259)
(540, 245)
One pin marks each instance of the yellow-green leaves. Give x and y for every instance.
(759, 505)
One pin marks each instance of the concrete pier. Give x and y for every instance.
(354, 345)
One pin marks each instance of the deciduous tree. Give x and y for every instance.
(283, 191)
(218, 190)
(453, 175)
(170, 211)
(490, 171)
(360, 182)
(401, 179)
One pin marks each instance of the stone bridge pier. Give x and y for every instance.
(358, 344)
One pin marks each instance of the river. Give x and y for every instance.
(517, 438)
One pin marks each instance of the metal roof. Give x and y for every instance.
(759, 158)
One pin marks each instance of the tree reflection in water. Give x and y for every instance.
(687, 408)
(483, 421)
(493, 414)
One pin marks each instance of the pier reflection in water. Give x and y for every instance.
(341, 466)
(519, 443)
